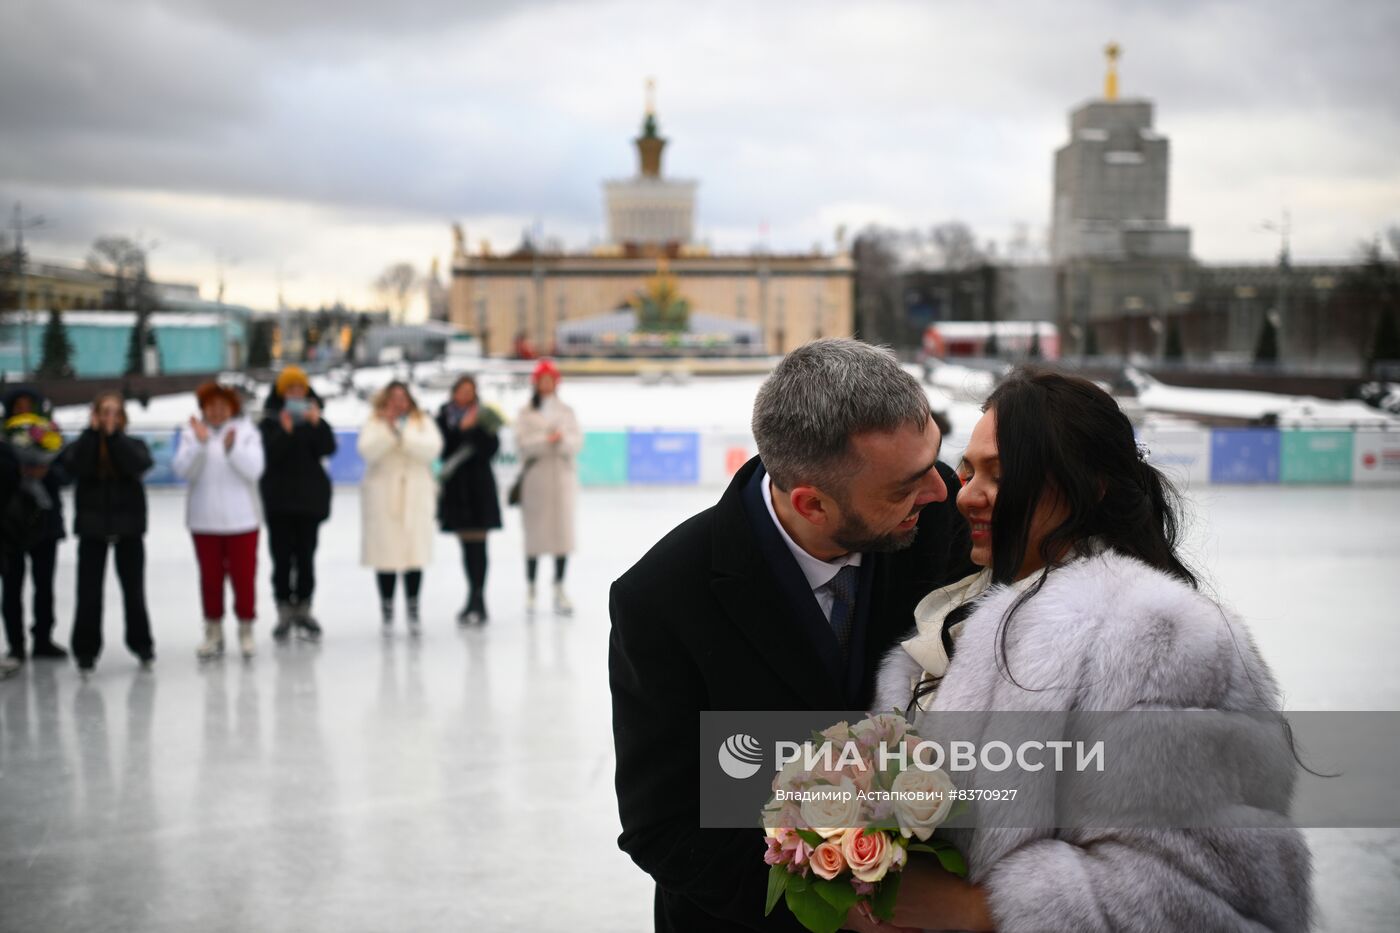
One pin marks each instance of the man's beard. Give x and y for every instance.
(856, 537)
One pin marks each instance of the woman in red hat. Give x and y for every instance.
(549, 439)
(220, 455)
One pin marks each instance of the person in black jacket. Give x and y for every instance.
(783, 596)
(9, 485)
(296, 494)
(469, 505)
(109, 511)
(33, 523)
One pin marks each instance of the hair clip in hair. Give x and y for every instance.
(1144, 452)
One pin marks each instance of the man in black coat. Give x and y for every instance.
(783, 596)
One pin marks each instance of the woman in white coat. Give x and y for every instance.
(1085, 607)
(397, 497)
(549, 439)
(220, 455)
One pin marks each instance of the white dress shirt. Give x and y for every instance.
(818, 572)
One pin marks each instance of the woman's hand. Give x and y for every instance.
(228, 440)
(468, 420)
(860, 919)
(932, 899)
(200, 429)
(555, 437)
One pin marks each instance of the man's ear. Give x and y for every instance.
(809, 502)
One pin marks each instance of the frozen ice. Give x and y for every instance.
(464, 781)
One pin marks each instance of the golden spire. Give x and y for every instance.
(1110, 81)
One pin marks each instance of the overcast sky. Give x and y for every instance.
(313, 143)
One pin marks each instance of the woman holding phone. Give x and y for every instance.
(296, 495)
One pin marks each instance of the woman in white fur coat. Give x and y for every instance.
(398, 497)
(1084, 605)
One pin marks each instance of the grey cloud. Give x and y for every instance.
(448, 109)
(277, 18)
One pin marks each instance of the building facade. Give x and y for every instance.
(523, 298)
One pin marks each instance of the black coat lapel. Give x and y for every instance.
(748, 588)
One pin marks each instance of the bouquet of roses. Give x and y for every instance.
(846, 812)
(36, 442)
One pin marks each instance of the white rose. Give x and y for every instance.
(920, 817)
(837, 810)
(794, 772)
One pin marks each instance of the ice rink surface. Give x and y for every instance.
(464, 781)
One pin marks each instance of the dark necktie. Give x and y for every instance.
(843, 606)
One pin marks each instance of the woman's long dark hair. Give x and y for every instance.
(1062, 436)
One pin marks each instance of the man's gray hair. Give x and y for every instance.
(820, 395)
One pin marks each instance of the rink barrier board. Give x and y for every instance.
(1190, 457)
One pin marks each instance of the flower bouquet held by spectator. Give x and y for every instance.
(844, 816)
(32, 522)
(468, 503)
(220, 454)
(296, 496)
(109, 512)
(398, 444)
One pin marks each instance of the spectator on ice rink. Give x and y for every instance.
(397, 495)
(107, 465)
(469, 505)
(549, 439)
(296, 496)
(220, 455)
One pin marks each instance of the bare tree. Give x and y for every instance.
(879, 309)
(395, 285)
(956, 246)
(123, 260)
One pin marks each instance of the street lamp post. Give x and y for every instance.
(20, 225)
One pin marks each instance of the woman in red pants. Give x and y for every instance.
(220, 455)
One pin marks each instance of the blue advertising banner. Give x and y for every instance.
(663, 457)
(162, 445)
(345, 465)
(1244, 455)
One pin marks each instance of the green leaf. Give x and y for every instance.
(952, 861)
(812, 839)
(813, 912)
(778, 876)
(886, 892)
(839, 893)
(935, 846)
(797, 883)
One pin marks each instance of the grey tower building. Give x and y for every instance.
(1121, 266)
(1111, 187)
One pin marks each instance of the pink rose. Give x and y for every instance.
(868, 854)
(827, 861)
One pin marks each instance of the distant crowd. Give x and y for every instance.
(242, 477)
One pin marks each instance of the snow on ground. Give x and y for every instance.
(1290, 410)
(718, 403)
